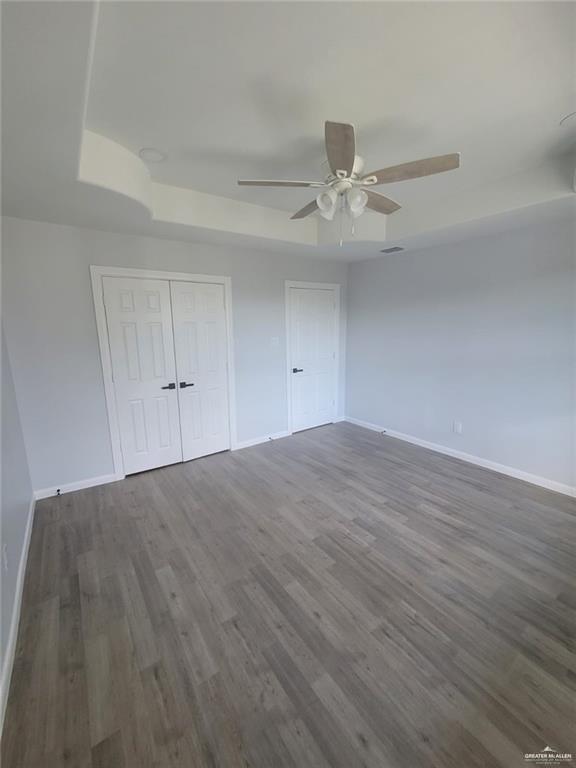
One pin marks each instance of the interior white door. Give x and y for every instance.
(144, 371)
(199, 314)
(312, 356)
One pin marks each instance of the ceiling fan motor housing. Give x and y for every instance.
(333, 179)
(342, 185)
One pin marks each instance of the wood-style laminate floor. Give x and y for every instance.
(336, 598)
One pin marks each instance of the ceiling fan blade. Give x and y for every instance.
(273, 183)
(306, 211)
(340, 146)
(417, 168)
(377, 202)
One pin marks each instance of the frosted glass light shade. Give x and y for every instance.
(326, 202)
(357, 200)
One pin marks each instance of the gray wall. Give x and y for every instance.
(51, 335)
(481, 332)
(16, 498)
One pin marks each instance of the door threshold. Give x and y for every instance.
(309, 429)
(207, 455)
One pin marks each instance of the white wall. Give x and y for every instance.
(51, 335)
(482, 332)
(15, 512)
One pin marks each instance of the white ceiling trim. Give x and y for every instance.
(106, 164)
(542, 184)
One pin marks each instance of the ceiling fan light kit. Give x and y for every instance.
(347, 185)
(326, 202)
(357, 200)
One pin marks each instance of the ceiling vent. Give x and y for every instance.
(393, 249)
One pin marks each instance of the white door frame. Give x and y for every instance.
(96, 274)
(288, 284)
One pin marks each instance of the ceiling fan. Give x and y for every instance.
(348, 185)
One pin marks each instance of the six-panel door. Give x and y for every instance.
(142, 351)
(169, 361)
(199, 314)
(312, 313)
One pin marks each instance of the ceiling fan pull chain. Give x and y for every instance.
(351, 216)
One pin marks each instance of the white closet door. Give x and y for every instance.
(143, 366)
(199, 314)
(312, 356)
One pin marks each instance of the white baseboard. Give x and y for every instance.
(90, 482)
(519, 474)
(258, 440)
(8, 662)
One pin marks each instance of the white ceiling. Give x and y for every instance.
(242, 89)
(231, 90)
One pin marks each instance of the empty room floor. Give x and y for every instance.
(335, 598)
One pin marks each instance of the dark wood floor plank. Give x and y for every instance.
(338, 598)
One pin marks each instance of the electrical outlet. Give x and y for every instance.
(5, 557)
(457, 427)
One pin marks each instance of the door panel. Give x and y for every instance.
(139, 322)
(199, 314)
(313, 354)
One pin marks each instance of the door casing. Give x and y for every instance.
(288, 284)
(96, 274)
